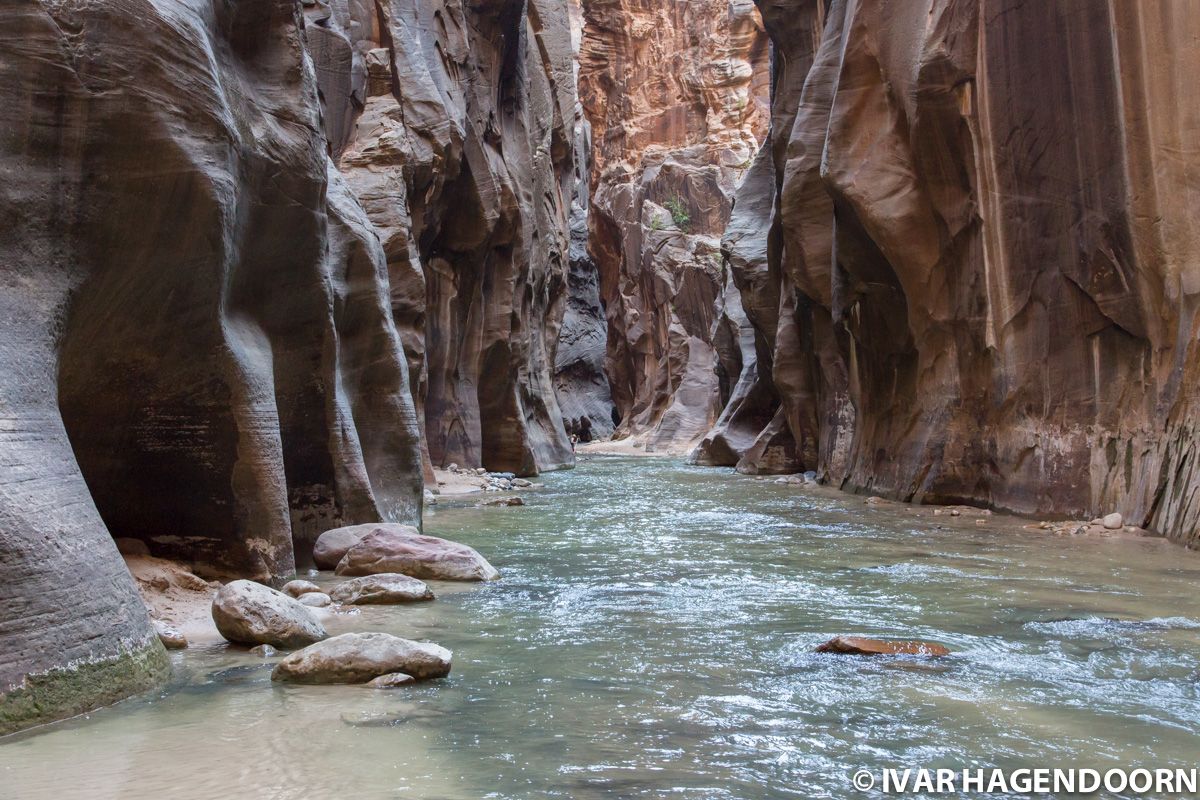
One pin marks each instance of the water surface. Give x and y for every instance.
(652, 638)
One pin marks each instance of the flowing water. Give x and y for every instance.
(653, 637)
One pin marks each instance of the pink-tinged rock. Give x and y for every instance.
(361, 658)
(861, 646)
(397, 548)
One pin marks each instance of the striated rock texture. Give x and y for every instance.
(453, 122)
(676, 94)
(580, 380)
(969, 253)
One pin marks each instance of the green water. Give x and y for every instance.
(652, 638)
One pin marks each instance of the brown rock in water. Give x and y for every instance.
(966, 291)
(677, 95)
(332, 546)
(859, 646)
(250, 613)
(171, 638)
(383, 589)
(397, 548)
(299, 588)
(395, 680)
(363, 657)
(506, 501)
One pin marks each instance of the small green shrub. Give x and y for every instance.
(679, 213)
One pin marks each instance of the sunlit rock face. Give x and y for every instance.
(453, 123)
(970, 252)
(676, 94)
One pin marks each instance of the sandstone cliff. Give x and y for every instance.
(453, 122)
(675, 92)
(975, 277)
(231, 231)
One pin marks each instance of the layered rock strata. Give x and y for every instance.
(675, 92)
(231, 230)
(969, 253)
(453, 123)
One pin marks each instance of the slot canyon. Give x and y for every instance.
(723, 328)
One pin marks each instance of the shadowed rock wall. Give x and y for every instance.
(453, 122)
(968, 290)
(675, 93)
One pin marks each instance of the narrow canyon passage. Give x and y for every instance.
(652, 636)
(821, 375)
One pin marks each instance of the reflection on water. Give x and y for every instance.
(653, 637)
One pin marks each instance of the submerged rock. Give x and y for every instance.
(383, 589)
(314, 600)
(861, 646)
(171, 638)
(362, 657)
(398, 548)
(299, 588)
(392, 681)
(506, 501)
(264, 651)
(249, 613)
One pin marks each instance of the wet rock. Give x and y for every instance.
(506, 501)
(398, 548)
(171, 638)
(383, 589)
(1114, 522)
(860, 646)
(362, 657)
(314, 600)
(264, 651)
(332, 546)
(250, 613)
(298, 588)
(393, 681)
(521, 483)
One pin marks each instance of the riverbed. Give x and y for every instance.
(652, 637)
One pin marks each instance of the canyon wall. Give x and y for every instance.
(231, 232)
(969, 253)
(675, 92)
(454, 123)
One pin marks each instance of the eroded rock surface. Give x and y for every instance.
(965, 290)
(249, 613)
(453, 123)
(676, 92)
(398, 548)
(381, 589)
(361, 658)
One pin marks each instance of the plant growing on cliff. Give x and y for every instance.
(679, 213)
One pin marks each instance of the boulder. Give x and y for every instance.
(171, 638)
(860, 646)
(1114, 522)
(393, 681)
(298, 588)
(249, 613)
(314, 600)
(506, 501)
(399, 548)
(363, 657)
(385, 589)
(332, 545)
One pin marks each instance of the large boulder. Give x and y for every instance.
(386, 589)
(398, 548)
(362, 657)
(332, 545)
(249, 613)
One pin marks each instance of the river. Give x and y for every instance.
(652, 637)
